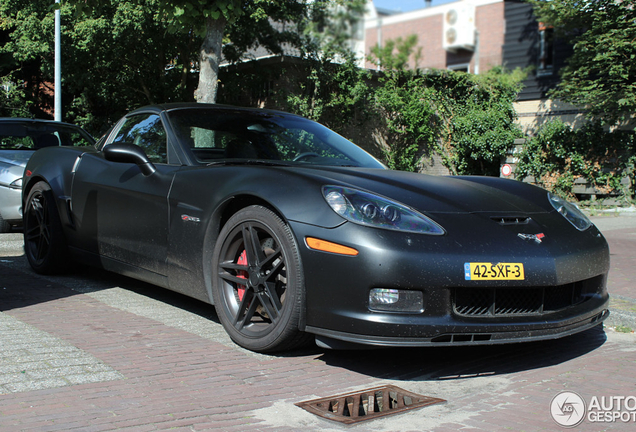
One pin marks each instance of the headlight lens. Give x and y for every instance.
(570, 211)
(368, 209)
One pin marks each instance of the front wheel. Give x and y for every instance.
(44, 242)
(257, 283)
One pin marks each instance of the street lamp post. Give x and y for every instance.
(58, 68)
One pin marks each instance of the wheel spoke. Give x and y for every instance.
(41, 251)
(246, 311)
(32, 233)
(270, 259)
(248, 243)
(231, 278)
(229, 265)
(270, 309)
(270, 288)
(36, 205)
(253, 247)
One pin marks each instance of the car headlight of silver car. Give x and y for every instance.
(364, 208)
(570, 211)
(16, 184)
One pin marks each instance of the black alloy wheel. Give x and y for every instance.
(44, 243)
(258, 287)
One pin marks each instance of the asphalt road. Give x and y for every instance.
(95, 351)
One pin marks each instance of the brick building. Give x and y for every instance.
(465, 35)
(474, 36)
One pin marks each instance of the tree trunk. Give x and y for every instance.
(209, 60)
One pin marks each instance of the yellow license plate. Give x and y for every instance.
(493, 271)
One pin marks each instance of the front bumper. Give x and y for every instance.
(337, 287)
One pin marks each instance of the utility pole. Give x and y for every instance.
(58, 67)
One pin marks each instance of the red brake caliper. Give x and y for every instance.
(242, 274)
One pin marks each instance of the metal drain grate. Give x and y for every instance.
(367, 404)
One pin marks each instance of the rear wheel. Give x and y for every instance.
(258, 288)
(44, 243)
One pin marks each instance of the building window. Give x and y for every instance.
(546, 50)
(462, 67)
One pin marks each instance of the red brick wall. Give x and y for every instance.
(491, 25)
(489, 20)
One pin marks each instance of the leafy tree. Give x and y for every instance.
(396, 53)
(558, 156)
(13, 102)
(118, 55)
(210, 21)
(20, 66)
(334, 86)
(601, 73)
(114, 58)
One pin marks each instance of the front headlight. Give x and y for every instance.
(372, 210)
(570, 211)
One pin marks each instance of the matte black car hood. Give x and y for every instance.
(444, 194)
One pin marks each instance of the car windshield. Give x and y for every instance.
(34, 136)
(216, 136)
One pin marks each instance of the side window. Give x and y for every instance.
(70, 137)
(147, 132)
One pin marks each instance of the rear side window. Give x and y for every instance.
(36, 136)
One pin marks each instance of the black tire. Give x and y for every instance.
(44, 243)
(258, 284)
(5, 226)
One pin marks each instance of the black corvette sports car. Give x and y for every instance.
(292, 232)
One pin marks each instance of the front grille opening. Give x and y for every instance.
(491, 302)
(367, 404)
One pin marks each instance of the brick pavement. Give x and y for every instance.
(169, 367)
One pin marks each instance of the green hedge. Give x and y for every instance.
(558, 155)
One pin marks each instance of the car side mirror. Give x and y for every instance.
(129, 153)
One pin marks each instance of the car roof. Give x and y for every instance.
(36, 121)
(173, 106)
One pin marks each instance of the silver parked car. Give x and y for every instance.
(19, 139)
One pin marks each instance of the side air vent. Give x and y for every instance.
(511, 220)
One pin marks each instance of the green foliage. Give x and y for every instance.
(404, 102)
(395, 54)
(600, 73)
(118, 55)
(13, 102)
(327, 28)
(114, 58)
(558, 156)
(478, 118)
(468, 119)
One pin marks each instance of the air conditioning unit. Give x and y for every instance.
(459, 28)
